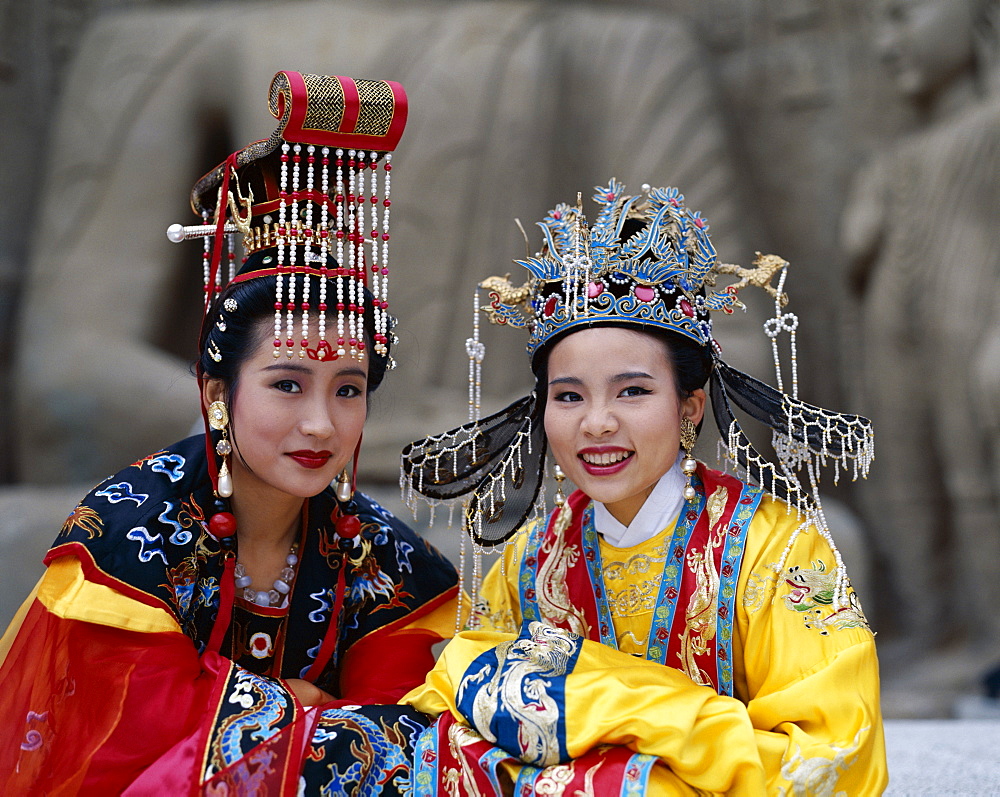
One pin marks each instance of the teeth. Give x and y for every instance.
(606, 458)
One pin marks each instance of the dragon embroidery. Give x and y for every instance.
(700, 615)
(552, 591)
(812, 591)
(519, 685)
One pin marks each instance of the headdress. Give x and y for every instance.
(313, 192)
(646, 262)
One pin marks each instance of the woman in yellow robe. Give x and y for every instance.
(667, 629)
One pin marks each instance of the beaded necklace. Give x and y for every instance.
(280, 588)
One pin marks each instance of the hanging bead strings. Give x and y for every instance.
(324, 240)
(282, 242)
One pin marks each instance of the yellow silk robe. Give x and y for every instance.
(805, 716)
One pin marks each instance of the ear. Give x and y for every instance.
(693, 407)
(212, 390)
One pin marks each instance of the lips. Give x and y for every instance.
(604, 460)
(311, 459)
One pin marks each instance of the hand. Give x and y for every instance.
(307, 693)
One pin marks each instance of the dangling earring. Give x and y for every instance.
(689, 436)
(565, 511)
(344, 491)
(218, 419)
(348, 526)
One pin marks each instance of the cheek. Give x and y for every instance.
(350, 422)
(556, 429)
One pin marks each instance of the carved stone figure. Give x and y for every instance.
(921, 227)
(511, 108)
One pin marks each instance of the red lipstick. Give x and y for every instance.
(311, 459)
(595, 469)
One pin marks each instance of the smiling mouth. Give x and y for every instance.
(606, 458)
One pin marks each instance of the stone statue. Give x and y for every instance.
(512, 107)
(921, 229)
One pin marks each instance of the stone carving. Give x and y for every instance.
(512, 109)
(920, 227)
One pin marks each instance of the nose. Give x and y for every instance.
(599, 420)
(317, 419)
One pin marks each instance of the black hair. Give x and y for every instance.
(236, 334)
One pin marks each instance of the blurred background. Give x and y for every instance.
(859, 139)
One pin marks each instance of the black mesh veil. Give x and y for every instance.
(802, 433)
(497, 461)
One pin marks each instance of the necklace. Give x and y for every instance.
(279, 589)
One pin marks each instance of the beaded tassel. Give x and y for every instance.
(324, 239)
(360, 269)
(308, 234)
(293, 251)
(382, 320)
(340, 253)
(206, 265)
(282, 243)
(351, 248)
(376, 290)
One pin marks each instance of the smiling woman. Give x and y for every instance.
(668, 628)
(218, 618)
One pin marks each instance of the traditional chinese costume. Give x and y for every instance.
(108, 687)
(704, 657)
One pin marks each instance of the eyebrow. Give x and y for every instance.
(566, 380)
(628, 375)
(624, 377)
(305, 369)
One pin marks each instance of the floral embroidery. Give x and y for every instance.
(86, 519)
(818, 776)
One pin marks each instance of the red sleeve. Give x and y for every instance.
(88, 706)
(383, 666)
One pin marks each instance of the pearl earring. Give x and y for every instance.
(344, 491)
(218, 419)
(689, 436)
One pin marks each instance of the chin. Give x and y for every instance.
(599, 490)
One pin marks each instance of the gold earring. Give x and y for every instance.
(218, 419)
(689, 436)
(565, 511)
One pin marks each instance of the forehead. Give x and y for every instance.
(314, 356)
(609, 349)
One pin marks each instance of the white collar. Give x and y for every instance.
(660, 509)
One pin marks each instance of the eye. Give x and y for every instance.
(348, 391)
(634, 390)
(567, 395)
(288, 386)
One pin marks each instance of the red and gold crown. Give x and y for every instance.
(317, 192)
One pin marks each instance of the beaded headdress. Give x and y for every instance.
(317, 193)
(646, 262)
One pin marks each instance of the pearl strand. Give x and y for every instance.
(324, 241)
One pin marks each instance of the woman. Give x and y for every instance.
(217, 618)
(668, 628)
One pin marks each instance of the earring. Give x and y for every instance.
(689, 436)
(348, 526)
(344, 491)
(565, 511)
(218, 419)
